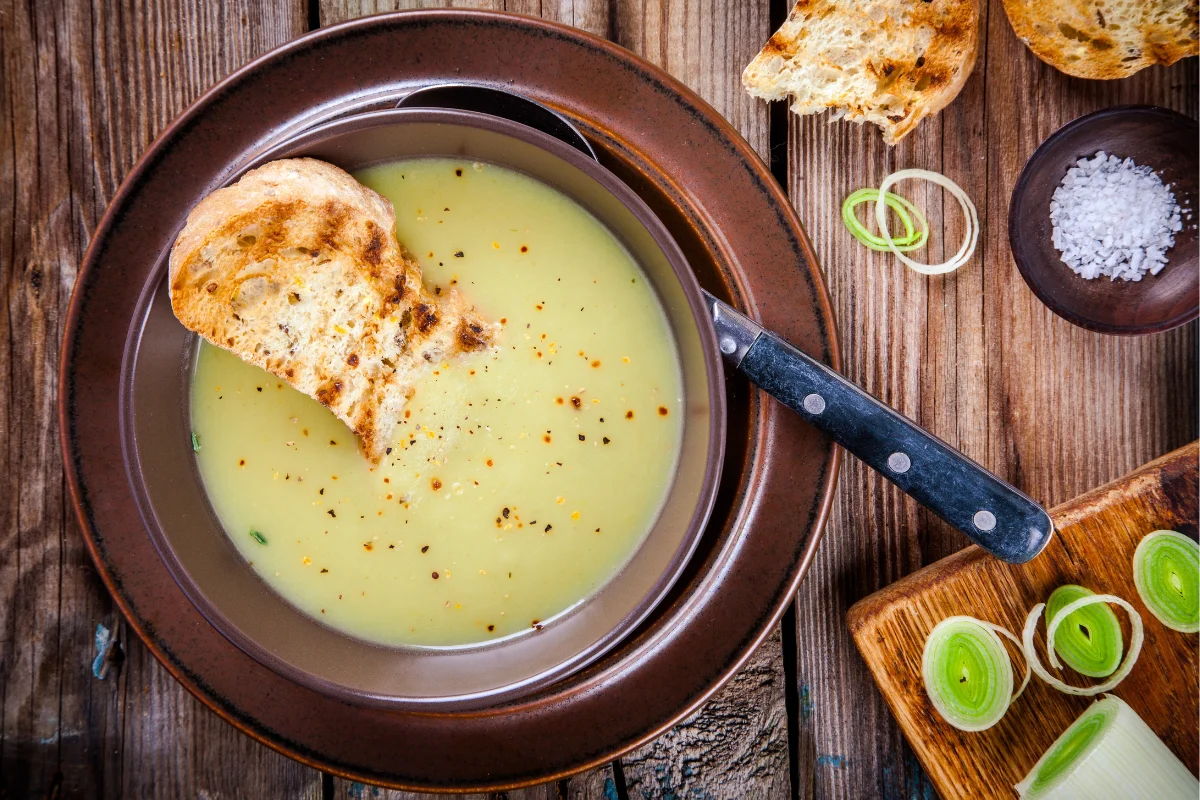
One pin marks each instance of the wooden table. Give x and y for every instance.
(973, 356)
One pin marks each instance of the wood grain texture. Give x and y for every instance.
(735, 747)
(1097, 535)
(82, 93)
(972, 356)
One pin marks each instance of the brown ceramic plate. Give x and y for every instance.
(740, 237)
(1162, 139)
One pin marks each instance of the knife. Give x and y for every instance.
(992, 513)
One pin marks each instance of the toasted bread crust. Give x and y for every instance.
(1106, 40)
(296, 269)
(904, 61)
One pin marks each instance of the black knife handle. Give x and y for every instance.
(991, 512)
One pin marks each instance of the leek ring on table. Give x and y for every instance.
(970, 234)
(1166, 570)
(912, 239)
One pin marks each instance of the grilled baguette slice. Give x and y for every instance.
(1105, 39)
(890, 62)
(296, 269)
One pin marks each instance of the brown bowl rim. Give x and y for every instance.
(1029, 272)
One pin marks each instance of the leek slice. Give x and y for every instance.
(1089, 641)
(912, 238)
(968, 674)
(1166, 569)
(1108, 753)
(970, 235)
(1031, 656)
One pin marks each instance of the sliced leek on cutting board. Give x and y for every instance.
(1097, 535)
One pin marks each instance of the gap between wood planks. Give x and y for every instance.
(777, 131)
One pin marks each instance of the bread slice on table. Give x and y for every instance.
(1106, 39)
(296, 269)
(890, 62)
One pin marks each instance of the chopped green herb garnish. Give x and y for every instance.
(195, 443)
(258, 537)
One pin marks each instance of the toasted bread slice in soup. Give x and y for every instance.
(296, 269)
(890, 62)
(1105, 39)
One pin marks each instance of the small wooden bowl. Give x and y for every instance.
(1160, 138)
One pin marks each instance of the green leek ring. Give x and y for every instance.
(1166, 570)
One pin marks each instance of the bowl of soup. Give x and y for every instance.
(540, 497)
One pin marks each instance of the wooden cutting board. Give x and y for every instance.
(1097, 534)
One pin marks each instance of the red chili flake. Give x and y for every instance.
(491, 628)
(242, 462)
(575, 401)
(435, 576)
(596, 364)
(558, 400)
(628, 415)
(425, 549)
(524, 249)
(368, 546)
(489, 462)
(436, 484)
(662, 411)
(606, 440)
(546, 438)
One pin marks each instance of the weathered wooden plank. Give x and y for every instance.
(972, 356)
(735, 747)
(36, 264)
(83, 93)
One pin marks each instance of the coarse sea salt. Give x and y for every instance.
(1114, 218)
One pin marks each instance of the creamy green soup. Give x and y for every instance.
(522, 479)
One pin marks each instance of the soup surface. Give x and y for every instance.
(524, 477)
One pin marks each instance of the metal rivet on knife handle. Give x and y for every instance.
(984, 520)
(814, 403)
